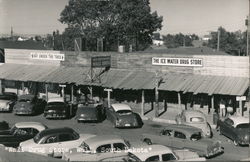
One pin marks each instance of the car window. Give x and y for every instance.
(229, 122)
(153, 158)
(179, 135)
(51, 139)
(22, 131)
(167, 132)
(34, 131)
(104, 148)
(197, 119)
(119, 146)
(243, 126)
(124, 112)
(65, 137)
(167, 157)
(196, 136)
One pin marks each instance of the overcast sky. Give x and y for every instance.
(179, 16)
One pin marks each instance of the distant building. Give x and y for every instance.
(206, 38)
(158, 42)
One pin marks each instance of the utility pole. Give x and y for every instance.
(218, 40)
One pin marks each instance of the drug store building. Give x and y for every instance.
(185, 78)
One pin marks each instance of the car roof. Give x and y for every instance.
(98, 140)
(183, 128)
(37, 125)
(239, 120)
(193, 113)
(150, 150)
(55, 131)
(118, 107)
(26, 96)
(55, 99)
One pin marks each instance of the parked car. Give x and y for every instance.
(7, 101)
(56, 108)
(20, 132)
(121, 115)
(53, 142)
(157, 153)
(195, 118)
(237, 128)
(28, 104)
(185, 137)
(88, 113)
(96, 148)
(4, 125)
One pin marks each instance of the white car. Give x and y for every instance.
(96, 148)
(7, 101)
(157, 153)
(53, 142)
(196, 119)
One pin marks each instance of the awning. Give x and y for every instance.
(208, 84)
(125, 79)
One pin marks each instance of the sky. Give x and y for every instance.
(179, 16)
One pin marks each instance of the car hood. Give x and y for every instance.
(23, 105)
(28, 143)
(186, 155)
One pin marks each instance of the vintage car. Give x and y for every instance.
(121, 115)
(90, 113)
(7, 101)
(53, 142)
(56, 108)
(28, 104)
(96, 148)
(20, 132)
(195, 118)
(157, 153)
(4, 126)
(237, 128)
(185, 137)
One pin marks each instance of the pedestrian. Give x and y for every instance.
(229, 110)
(222, 108)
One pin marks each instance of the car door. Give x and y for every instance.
(65, 142)
(102, 152)
(20, 135)
(167, 135)
(111, 114)
(228, 128)
(179, 139)
(49, 144)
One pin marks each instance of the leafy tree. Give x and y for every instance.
(119, 22)
(178, 40)
(233, 43)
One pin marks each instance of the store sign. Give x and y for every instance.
(241, 98)
(101, 61)
(47, 56)
(169, 61)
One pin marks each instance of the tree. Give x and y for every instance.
(119, 22)
(233, 43)
(178, 40)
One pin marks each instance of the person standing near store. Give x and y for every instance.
(222, 108)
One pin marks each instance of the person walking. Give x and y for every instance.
(222, 108)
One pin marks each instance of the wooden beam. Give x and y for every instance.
(212, 102)
(179, 99)
(142, 103)
(46, 91)
(1, 88)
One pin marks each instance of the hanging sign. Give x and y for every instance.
(47, 56)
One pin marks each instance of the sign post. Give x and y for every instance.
(240, 99)
(108, 90)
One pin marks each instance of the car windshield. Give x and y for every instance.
(197, 120)
(37, 138)
(196, 136)
(24, 100)
(3, 97)
(132, 157)
(124, 112)
(243, 126)
(13, 129)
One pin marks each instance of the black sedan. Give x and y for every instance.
(56, 108)
(237, 128)
(90, 113)
(20, 132)
(122, 116)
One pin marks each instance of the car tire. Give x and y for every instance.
(147, 141)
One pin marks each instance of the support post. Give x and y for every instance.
(156, 102)
(108, 90)
(179, 100)
(212, 102)
(240, 105)
(91, 92)
(142, 103)
(63, 95)
(46, 91)
(72, 93)
(23, 88)
(1, 88)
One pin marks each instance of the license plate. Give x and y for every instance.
(127, 125)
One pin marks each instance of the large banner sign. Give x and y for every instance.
(47, 56)
(177, 61)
